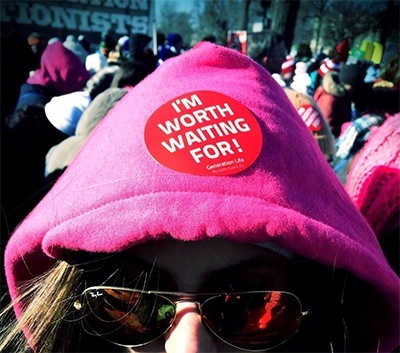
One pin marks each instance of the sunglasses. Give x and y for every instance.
(255, 321)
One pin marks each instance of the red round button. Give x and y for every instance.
(204, 133)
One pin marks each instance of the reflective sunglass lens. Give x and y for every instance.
(253, 321)
(127, 317)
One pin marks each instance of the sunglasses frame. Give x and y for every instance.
(183, 297)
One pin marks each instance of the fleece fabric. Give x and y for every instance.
(60, 70)
(115, 194)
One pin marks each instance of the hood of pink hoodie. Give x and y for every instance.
(155, 168)
(60, 70)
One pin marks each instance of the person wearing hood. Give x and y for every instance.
(29, 134)
(194, 220)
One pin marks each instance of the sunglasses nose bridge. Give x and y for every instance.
(188, 300)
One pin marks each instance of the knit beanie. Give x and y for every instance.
(72, 44)
(218, 152)
(288, 65)
(173, 39)
(374, 178)
(328, 65)
(314, 119)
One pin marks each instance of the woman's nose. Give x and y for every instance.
(188, 334)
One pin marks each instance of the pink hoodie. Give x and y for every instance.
(163, 162)
(60, 70)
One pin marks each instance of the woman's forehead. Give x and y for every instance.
(189, 262)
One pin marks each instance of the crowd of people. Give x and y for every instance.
(198, 200)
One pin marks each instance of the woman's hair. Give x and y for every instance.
(46, 302)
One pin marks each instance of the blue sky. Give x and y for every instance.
(181, 5)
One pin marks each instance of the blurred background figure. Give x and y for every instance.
(28, 134)
(334, 101)
(98, 60)
(273, 54)
(76, 47)
(38, 45)
(172, 47)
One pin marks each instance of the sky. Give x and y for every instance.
(181, 5)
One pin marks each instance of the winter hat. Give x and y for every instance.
(65, 111)
(107, 41)
(72, 44)
(301, 68)
(53, 40)
(173, 39)
(288, 65)
(328, 65)
(342, 50)
(301, 79)
(314, 119)
(124, 43)
(199, 159)
(352, 74)
(374, 178)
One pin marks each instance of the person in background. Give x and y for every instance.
(38, 45)
(317, 71)
(301, 80)
(129, 74)
(28, 134)
(140, 50)
(334, 101)
(352, 78)
(82, 39)
(384, 98)
(343, 51)
(314, 119)
(172, 47)
(98, 60)
(274, 53)
(75, 46)
(287, 70)
(200, 217)
(302, 52)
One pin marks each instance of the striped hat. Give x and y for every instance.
(311, 117)
(328, 65)
(288, 65)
